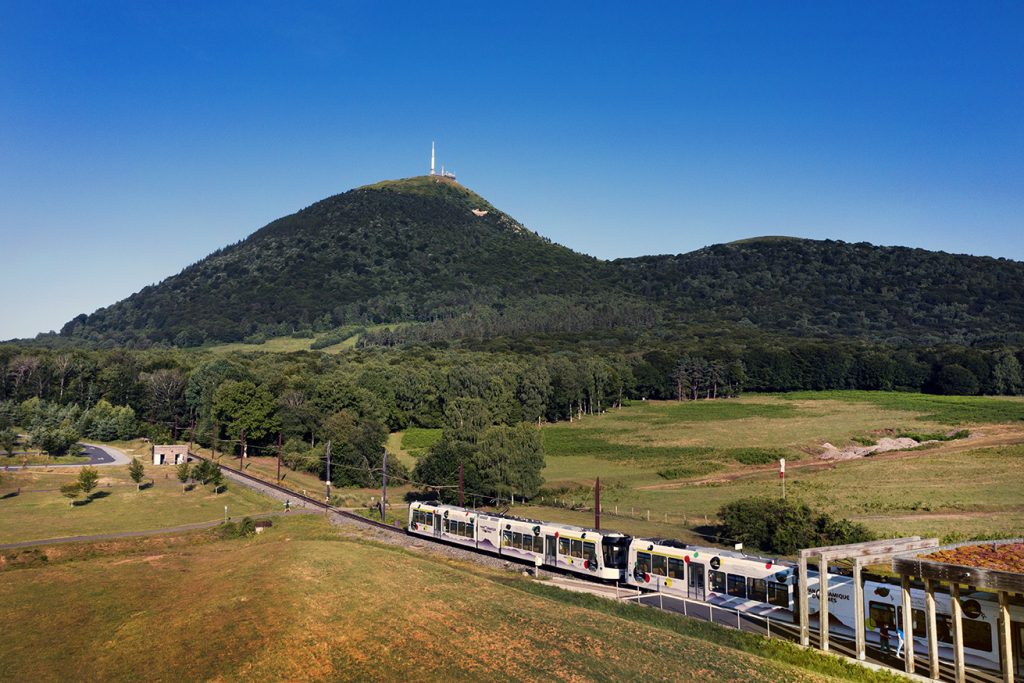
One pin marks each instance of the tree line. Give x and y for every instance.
(244, 402)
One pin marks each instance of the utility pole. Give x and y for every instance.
(328, 472)
(460, 485)
(192, 435)
(213, 440)
(279, 457)
(384, 488)
(241, 456)
(597, 504)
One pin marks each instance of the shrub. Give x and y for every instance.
(244, 529)
(784, 526)
(756, 456)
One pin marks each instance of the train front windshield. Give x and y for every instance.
(615, 549)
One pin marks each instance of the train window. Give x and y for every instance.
(577, 548)
(717, 581)
(506, 538)
(563, 546)
(462, 528)
(659, 565)
(538, 544)
(643, 562)
(589, 552)
(675, 568)
(778, 594)
(977, 635)
(757, 589)
(943, 628)
(736, 586)
(882, 613)
(469, 530)
(917, 616)
(517, 540)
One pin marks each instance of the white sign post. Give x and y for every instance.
(782, 476)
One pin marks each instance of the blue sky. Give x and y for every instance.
(136, 138)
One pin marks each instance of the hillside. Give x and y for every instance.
(819, 288)
(427, 250)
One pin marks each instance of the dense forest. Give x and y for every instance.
(443, 262)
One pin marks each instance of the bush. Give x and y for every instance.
(244, 529)
(757, 456)
(784, 526)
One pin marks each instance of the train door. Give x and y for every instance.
(437, 525)
(695, 581)
(550, 551)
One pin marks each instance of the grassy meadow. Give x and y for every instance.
(39, 511)
(685, 460)
(301, 603)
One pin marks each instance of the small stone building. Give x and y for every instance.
(170, 455)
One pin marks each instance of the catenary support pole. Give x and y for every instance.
(597, 504)
(460, 486)
(328, 496)
(933, 635)
(384, 488)
(908, 625)
(279, 457)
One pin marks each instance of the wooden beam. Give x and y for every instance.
(1005, 638)
(908, 626)
(958, 633)
(992, 579)
(889, 555)
(823, 602)
(852, 549)
(805, 632)
(858, 612)
(933, 634)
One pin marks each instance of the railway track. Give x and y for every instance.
(308, 500)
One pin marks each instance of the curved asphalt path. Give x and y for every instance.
(98, 456)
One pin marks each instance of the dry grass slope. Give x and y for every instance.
(297, 603)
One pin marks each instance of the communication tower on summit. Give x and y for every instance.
(443, 174)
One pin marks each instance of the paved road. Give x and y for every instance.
(98, 456)
(132, 534)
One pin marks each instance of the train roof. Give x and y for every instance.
(721, 552)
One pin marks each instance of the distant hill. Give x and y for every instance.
(816, 288)
(424, 249)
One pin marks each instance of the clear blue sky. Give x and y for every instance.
(135, 138)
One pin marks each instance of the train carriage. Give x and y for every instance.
(720, 577)
(579, 550)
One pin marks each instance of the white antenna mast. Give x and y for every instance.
(431, 157)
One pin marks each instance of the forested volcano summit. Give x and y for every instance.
(426, 250)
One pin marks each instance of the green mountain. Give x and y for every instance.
(430, 250)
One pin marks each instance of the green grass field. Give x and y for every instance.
(41, 512)
(300, 603)
(685, 460)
